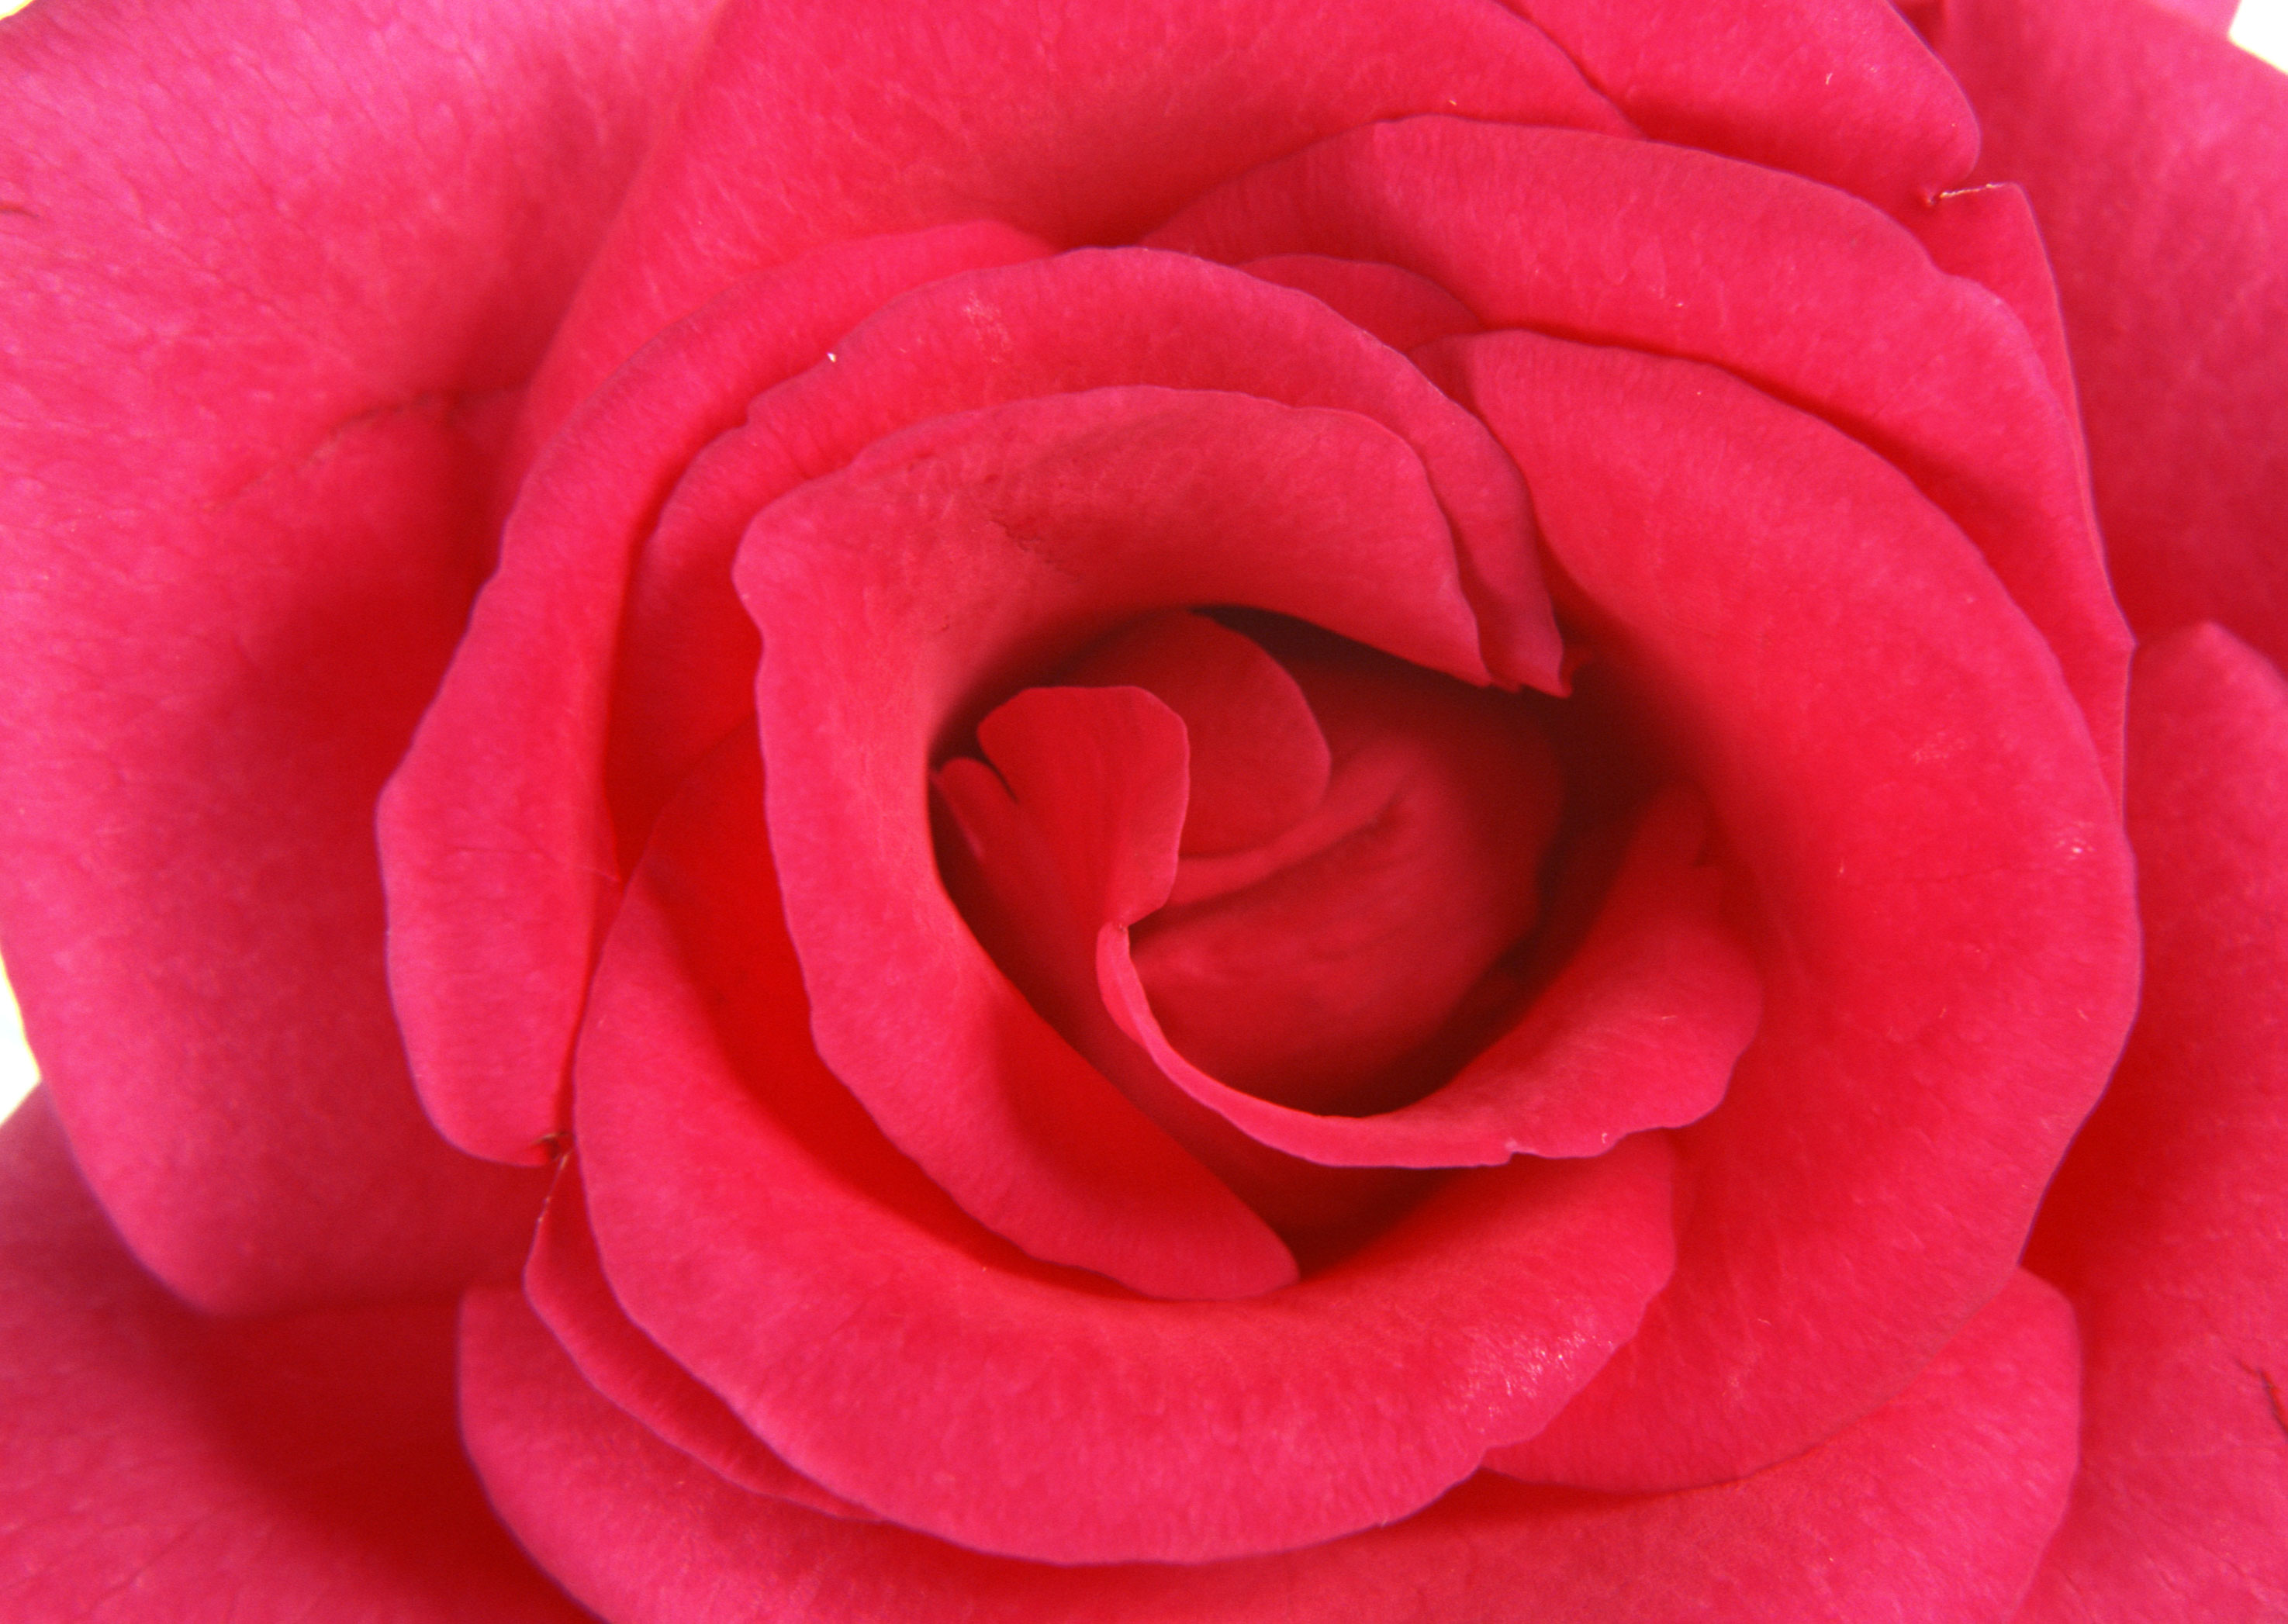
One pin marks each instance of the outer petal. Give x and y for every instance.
(2154, 152)
(1949, 950)
(1934, 1507)
(566, 1286)
(1842, 92)
(502, 845)
(2169, 1224)
(166, 1466)
(266, 266)
(813, 121)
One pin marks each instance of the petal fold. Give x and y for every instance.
(761, 1229)
(841, 128)
(943, 569)
(162, 1465)
(502, 852)
(1944, 918)
(1807, 293)
(2153, 150)
(1841, 93)
(2167, 1225)
(1934, 1507)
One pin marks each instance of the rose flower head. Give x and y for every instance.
(1405, 809)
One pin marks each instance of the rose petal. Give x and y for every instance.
(1639, 1031)
(2153, 150)
(564, 1282)
(502, 857)
(1843, 94)
(2168, 1225)
(757, 1226)
(1315, 969)
(1989, 233)
(899, 598)
(1257, 760)
(1934, 1507)
(2216, 15)
(1949, 951)
(1129, 317)
(164, 1466)
(1791, 285)
(1400, 308)
(1070, 835)
(1099, 123)
(270, 267)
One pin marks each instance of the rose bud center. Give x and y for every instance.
(1357, 843)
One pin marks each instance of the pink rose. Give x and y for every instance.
(1254, 813)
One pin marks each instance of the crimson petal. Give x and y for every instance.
(1099, 123)
(501, 855)
(1798, 288)
(277, 272)
(2153, 150)
(2168, 1224)
(1949, 945)
(937, 572)
(1639, 1031)
(1841, 92)
(757, 1226)
(1121, 317)
(565, 1284)
(1934, 1507)
(163, 1466)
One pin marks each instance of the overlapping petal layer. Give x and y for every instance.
(1947, 934)
(1935, 1506)
(499, 842)
(163, 1464)
(767, 1237)
(2153, 151)
(900, 596)
(805, 127)
(1639, 1031)
(2168, 1224)
(1814, 297)
(273, 278)
(565, 1286)
(1841, 93)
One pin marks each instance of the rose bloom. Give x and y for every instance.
(1196, 809)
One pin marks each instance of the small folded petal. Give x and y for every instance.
(1640, 1030)
(1070, 834)
(2168, 1224)
(757, 1227)
(1257, 760)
